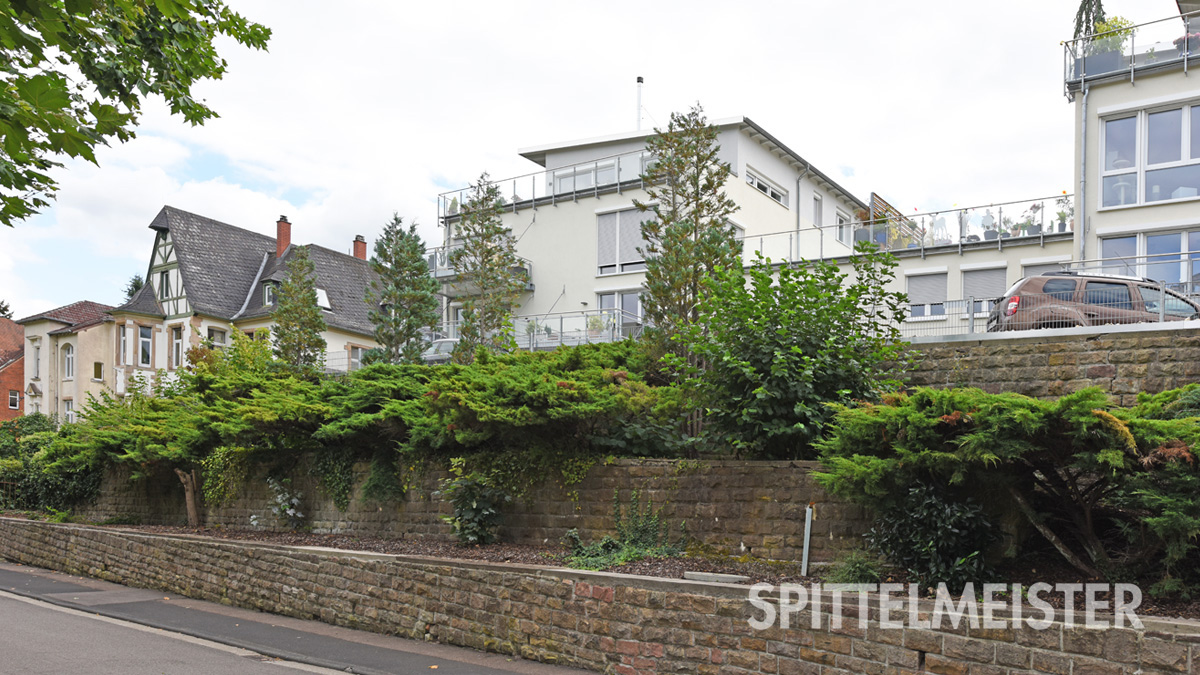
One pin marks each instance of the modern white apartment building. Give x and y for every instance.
(578, 231)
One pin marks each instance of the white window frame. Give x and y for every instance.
(768, 188)
(123, 341)
(69, 410)
(356, 354)
(149, 350)
(213, 334)
(14, 399)
(845, 233)
(818, 210)
(37, 362)
(176, 346)
(323, 300)
(566, 180)
(1141, 266)
(930, 311)
(68, 351)
(1141, 165)
(268, 294)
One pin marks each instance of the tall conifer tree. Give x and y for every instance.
(403, 297)
(689, 234)
(489, 272)
(298, 320)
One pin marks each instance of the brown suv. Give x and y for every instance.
(1067, 299)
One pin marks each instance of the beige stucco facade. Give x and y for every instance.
(53, 387)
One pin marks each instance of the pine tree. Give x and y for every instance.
(134, 285)
(689, 235)
(5, 310)
(489, 271)
(403, 298)
(1091, 12)
(298, 319)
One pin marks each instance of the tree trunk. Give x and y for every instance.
(190, 484)
(1050, 536)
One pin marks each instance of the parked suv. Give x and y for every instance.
(1067, 299)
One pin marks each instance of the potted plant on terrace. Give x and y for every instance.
(1105, 52)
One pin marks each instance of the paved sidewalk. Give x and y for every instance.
(309, 642)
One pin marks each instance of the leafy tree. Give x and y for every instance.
(783, 343)
(75, 73)
(689, 235)
(298, 319)
(403, 298)
(489, 272)
(135, 284)
(5, 310)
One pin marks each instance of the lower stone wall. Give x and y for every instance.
(1122, 362)
(739, 507)
(619, 624)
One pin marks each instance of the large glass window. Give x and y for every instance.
(1163, 256)
(1164, 136)
(1166, 167)
(145, 345)
(68, 362)
(1120, 144)
(1119, 254)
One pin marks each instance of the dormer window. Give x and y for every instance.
(268, 294)
(323, 300)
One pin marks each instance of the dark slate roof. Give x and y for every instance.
(75, 315)
(219, 263)
(142, 302)
(344, 279)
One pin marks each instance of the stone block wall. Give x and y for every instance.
(738, 507)
(619, 624)
(1121, 363)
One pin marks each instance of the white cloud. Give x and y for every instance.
(357, 113)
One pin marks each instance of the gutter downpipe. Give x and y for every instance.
(1082, 201)
(820, 233)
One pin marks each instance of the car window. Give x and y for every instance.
(1176, 306)
(1059, 289)
(1108, 294)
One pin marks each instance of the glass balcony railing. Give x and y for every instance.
(992, 224)
(1175, 40)
(549, 331)
(613, 173)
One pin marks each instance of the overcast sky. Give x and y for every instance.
(381, 105)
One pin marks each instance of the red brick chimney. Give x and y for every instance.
(283, 236)
(360, 247)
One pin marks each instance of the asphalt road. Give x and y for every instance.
(56, 623)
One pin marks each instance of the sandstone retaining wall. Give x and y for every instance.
(619, 624)
(1122, 363)
(754, 508)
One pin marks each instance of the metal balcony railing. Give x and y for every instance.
(976, 226)
(613, 173)
(1169, 42)
(443, 270)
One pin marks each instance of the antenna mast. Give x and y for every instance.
(639, 103)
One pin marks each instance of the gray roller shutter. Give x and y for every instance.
(985, 284)
(631, 236)
(606, 228)
(1035, 270)
(927, 289)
